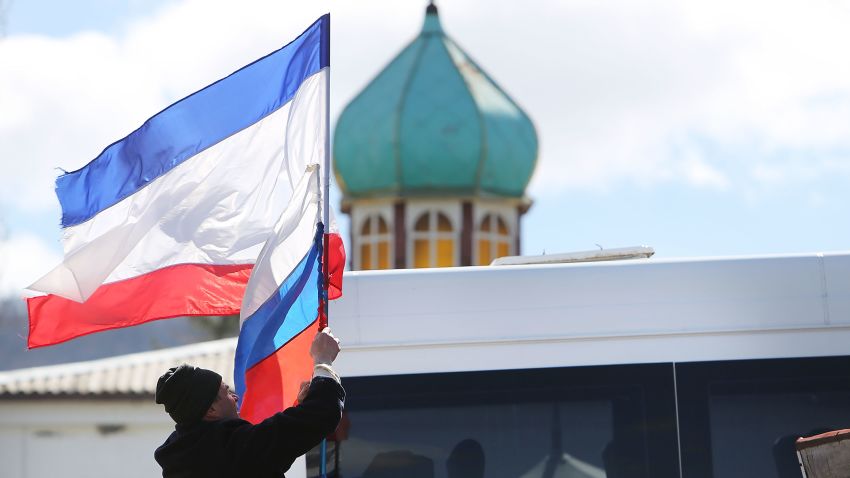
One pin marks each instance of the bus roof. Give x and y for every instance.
(637, 311)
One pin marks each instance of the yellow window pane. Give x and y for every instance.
(421, 253)
(503, 228)
(367, 227)
(502, 249)
(383, 255)
(365, 257)
(382, 226)
(445, 253)
(484, 252)
(443, 223)
(485, 223)
(422, 224)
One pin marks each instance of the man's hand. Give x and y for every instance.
(325, 347)
(302, 392)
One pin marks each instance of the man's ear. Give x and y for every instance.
(211, 414)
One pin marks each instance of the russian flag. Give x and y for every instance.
(281, 308)
(169, 220)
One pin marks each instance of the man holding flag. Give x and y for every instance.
(211, 440)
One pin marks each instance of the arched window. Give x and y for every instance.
(494, 239)
(374, 243)
(433, 241)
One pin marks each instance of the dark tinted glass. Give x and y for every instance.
(741, 418)
(610, 421)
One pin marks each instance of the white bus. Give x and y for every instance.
(649, 368)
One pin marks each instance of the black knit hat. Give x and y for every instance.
(187, 392)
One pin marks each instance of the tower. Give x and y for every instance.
(433, 159)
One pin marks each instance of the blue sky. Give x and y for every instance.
(57, 18)
(699, 128)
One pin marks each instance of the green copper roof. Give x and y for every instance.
(433, 123)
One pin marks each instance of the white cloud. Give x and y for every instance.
(67, 100)
(730, 73)
(702, 174)
(611, 85)
(23, 259)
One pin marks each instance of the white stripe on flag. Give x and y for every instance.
(293, 237)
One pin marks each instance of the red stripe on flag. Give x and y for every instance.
(176, 291)
(272, 385)
(336, 264)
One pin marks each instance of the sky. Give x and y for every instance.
(698, 128)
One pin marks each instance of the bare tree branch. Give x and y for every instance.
(4, 253)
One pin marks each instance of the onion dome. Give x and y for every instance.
(432, 123)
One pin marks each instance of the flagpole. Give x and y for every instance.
(323, 317)
(326, 179)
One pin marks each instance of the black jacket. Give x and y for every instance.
(231, 448)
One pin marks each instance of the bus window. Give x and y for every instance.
(741, 418)
(607, 421)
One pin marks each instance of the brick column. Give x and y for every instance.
(466, 228)
(399, 236)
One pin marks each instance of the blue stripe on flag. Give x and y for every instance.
(193, 124)
(284, 315)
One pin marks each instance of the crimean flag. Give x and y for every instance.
(169, 221)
